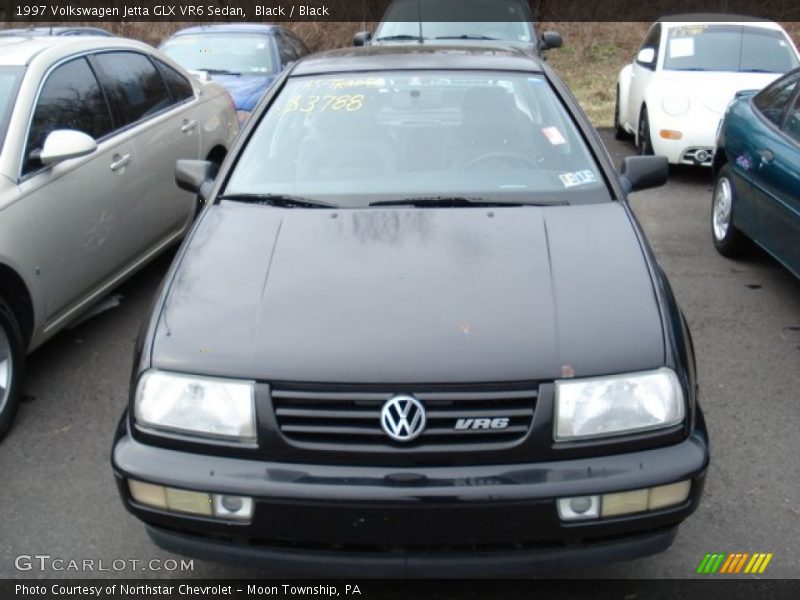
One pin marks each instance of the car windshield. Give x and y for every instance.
(507, 20)
(9, 82)
(236, 53)
(351, 141)
(736, 48)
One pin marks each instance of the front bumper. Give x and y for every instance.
(699, 137)
(426, 522)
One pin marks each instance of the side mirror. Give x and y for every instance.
(643, 172)
(64, 144)
(195, 176)
(646, 56)
(362, 38)
(551, 40)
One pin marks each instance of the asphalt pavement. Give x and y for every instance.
(60, 498)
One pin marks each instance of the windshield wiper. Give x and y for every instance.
(465, 36)
(398, 38)
(219, 72)
(458, 202)
(756, 70)
(279, 200)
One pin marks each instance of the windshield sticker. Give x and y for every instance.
(343, 84)
(577, 178)
(681, 47)
(688, 30)
(310, 104)
(554, 136)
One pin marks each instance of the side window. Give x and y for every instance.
(71, 98)
(652, 41)
(135, 88)
(773, 100)
(300, 49)
(178, 85)
(285, 50)
(792, 127)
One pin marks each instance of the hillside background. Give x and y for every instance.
(592, 56)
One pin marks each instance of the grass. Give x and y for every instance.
(589, 62)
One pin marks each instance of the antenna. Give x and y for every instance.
(419, 9)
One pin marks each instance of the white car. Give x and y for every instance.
(673, 97)
(90, 130)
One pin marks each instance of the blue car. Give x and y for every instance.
(757, 171)
(244, 58)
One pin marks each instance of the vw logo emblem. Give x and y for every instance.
(403, 418)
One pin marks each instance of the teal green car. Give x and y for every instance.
(757, 174)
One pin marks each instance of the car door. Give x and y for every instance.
(164, 121)
(84, 211)
(642, 74)
(775, 173)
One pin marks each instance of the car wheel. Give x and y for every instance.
(643, 142)
(728, 240)
(619, 132)
(12, 357)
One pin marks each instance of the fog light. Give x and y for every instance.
(669, 495)
(701, 156)
(624, 503)
(196, 503)
(579, 508)
(669, 134)
(233, 507)
(148, 493)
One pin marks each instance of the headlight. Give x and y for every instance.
(605, 406)
(675, 104)
(243, 115)
(215, 408)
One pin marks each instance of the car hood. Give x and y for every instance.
(715, 90)
(246, 90)
(6, 185)
(410, 296)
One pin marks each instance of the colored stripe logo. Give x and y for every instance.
(734, 564)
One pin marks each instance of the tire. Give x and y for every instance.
(619, 132)
(728, 240)
(12, 364)
(644, 144)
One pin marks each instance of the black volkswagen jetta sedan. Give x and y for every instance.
(416, 331)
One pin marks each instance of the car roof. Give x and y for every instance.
(38, 31)
(228, 28)
(418, 57)
(21, 51)
(718, 18)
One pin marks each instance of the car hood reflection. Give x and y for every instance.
(410, 296)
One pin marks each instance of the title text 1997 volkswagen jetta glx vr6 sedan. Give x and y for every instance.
(417, 331)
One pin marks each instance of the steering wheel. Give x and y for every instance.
(508, 156)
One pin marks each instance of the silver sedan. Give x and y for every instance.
(90, 129)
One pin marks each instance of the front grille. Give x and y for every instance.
(352, 419)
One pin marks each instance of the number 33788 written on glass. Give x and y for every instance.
(347, 102)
